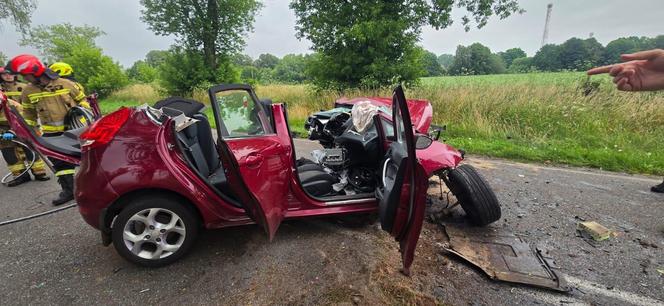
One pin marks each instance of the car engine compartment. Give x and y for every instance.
(349, 157)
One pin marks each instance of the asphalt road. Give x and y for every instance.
(58, 259)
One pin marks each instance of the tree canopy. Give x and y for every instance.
(57, 41)
(266, 60)
(215, 27)
(510, 55)
(18, 12)
(366, 43)
(476, 59)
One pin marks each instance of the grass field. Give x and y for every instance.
(542, 117)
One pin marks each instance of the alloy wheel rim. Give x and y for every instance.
(154, 233)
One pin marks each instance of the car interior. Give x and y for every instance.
(346, 169)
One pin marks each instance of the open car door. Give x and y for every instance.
(256, 158)
(402, 188)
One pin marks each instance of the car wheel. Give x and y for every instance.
(474, 194)
(154, 231)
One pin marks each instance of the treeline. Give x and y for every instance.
(575, 54)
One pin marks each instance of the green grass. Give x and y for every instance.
(540, 117)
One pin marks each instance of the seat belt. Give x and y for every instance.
(197, 156)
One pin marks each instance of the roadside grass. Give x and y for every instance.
(540, 117)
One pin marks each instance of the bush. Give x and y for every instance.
(96, 71)
(142, 72)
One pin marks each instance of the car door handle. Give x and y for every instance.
(254, 160)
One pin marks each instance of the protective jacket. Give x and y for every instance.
(50, 104)
(12, 91)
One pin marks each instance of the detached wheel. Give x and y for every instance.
(154, 231)
(474, 194)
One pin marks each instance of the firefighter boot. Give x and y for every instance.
(67, 193)
(658, 188)
(23, 178)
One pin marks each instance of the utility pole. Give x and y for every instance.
(545, 37)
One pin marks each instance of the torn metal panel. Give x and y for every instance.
(503, 256)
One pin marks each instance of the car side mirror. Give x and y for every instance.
(422, 141)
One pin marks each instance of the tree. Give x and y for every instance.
(623, 45)
(18, 12)
(510, 55)
(291, 68)
(213, 27)
(431, 65)
(97, 72)
(76, 46)
(446, 60)
(657, 42)
(57, 41)
(522, 65)
(185, 70)
(142, 72)
(476, 59)
(595, 51)
(242, 60)
(3, 59)
(548, 58)
(366, 43)
(266, 60)
(574, 55)
(155, 58)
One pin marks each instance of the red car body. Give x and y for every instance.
(142, 158)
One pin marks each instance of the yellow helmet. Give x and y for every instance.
(63, 69)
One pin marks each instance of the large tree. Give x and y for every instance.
(368, 43)
(57, 41)
(431, 65)
(76, 46)
(548, 58)
(476, 59)
(214, 27)
(266, 60)
(510, 55)
(18, 12)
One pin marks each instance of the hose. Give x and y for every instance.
(5, 178)
(78, 117)
(52, 211)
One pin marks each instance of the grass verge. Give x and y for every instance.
(556, 118)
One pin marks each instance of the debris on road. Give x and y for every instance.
(503, 256)
(597, 231)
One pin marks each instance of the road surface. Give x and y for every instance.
(58, 259)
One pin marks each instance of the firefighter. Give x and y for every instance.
(14, 155)
(67, 72)
(47, 99)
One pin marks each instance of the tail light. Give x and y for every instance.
(102, 131)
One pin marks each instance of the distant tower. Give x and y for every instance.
(545, 37)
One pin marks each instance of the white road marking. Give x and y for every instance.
(575, 171)
(599, 289)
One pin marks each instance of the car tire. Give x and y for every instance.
(474, 194)
(154, 231)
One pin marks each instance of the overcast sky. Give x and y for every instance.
(128, 39)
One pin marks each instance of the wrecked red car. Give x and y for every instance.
(151, 177)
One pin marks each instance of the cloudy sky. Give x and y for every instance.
(128, 39)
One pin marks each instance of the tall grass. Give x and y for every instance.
(543, 117)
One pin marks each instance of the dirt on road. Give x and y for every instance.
(58, 259)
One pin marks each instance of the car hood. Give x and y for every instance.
(420, 111)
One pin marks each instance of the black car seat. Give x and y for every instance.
(201, 150)
(314, 179)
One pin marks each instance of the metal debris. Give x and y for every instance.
(503, 256)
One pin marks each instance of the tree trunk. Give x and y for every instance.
(209, 44)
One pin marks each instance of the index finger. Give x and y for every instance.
(600, 70)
